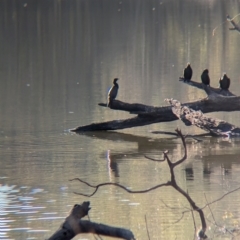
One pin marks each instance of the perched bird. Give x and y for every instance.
(112, 93)
(224, 82)
(187, 73)
(205, 77)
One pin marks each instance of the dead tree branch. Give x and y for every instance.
(171, 183)
(235, 26)
(115, 184)
(73, 225)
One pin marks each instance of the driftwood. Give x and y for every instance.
(235, 26)
(73, 225)
(216, 100)
(216, 127)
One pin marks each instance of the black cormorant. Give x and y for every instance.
(224, 82)
(205, 77)
(187, 73)
(112, 93)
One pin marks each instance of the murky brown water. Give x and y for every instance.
(57, 61)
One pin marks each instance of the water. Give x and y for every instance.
(57, 61)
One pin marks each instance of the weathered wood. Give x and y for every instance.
(216, 127)
(73, 225)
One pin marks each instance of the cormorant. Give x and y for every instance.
(112, 93)
(187, 73)
(205, 77)
(224, 82)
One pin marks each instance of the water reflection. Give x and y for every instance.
(189, 173)
(112, 164)
(144, 144)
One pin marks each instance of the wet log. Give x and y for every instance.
(235, 26)
(216, 100)
(215, 127)
(73, 225)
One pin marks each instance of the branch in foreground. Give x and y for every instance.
(172, 183)
(115, 184)
(73, 225)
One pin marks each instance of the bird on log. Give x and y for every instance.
(187, 73)
(224, 82)
(205, 77)
(112, 93)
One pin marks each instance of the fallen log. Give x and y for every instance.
(216, 100)
(73, 225)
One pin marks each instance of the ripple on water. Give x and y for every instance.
(18, 203)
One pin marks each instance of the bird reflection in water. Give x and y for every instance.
(189, 173)
(112, 166)
(206, 170)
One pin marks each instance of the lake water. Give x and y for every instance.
(57, 61)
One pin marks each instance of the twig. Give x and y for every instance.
(155, 160)
(147, 226)
(194, 223)
(185, 148)
(165, 132)
(224, 195)
(210, 210)
(213, 32)
(235, 26)
(93, 233)
(186, 136)
(215, 222)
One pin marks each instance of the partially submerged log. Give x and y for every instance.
(216, 100)
(216, 127)
(73, 225)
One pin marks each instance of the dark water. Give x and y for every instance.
(57, 60)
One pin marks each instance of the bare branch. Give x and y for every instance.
(185, 148)
(155, 160)
(194, 222)
(147, 226)
(118, 185)
(224, 195)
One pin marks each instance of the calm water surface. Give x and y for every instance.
(57, 61)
